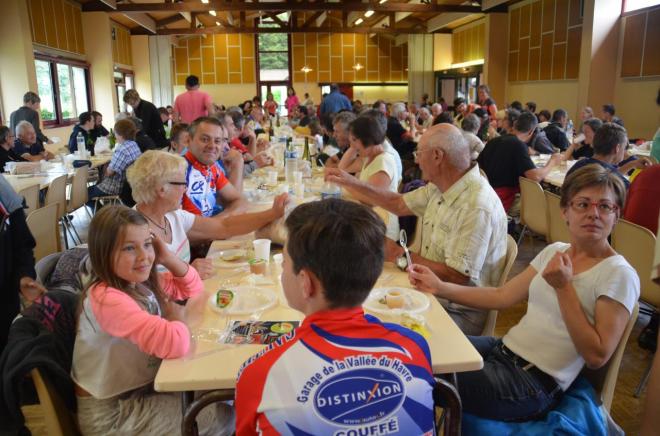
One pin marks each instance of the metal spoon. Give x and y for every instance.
(403, 241)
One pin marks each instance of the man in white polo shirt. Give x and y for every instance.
(464, 225)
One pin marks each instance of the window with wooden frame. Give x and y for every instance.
(63, 85)
(124, 80)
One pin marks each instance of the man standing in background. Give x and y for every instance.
(193, 103)
(29, 112)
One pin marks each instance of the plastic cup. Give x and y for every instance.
(299, 190)
(272, 178)
(262, 249)
(297, 177)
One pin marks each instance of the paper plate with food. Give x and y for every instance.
(389, 301)
(232, 258)
(242, 300)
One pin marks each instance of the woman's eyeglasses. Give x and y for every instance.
(178, 183)
(604, 207)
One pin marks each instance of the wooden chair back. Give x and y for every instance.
(557, 228)
(59, 420)
(604, 379)
(511, 254)
(57, 194)
(31, 195)
(78, 196)
(532, 207)
(637, 245)
(43, 224)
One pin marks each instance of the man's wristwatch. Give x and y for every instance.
(402, 262)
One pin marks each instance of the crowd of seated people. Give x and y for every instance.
(187, 182)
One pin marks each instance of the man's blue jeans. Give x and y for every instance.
(506, 389)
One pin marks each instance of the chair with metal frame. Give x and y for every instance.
(533, 214)
(77, 199)
(31, 196)
(443, 392)
(57, 195)
(43, 226)
(557, 228)
(637, 245)
(511, 254)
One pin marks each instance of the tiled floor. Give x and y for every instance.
(626, 409)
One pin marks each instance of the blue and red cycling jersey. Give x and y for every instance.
(204, 183)
(340, 373)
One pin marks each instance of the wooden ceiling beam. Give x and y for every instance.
(312, 18)
(288, 29)
(169, 20)
(223, 5)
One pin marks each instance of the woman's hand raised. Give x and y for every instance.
(559, 271)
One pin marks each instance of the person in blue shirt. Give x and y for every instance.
(335, 101)
(609, 149)
(84, 126)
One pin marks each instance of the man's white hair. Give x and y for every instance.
(22, 127)
(398, 108)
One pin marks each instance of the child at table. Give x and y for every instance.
(128, 322)
(341, 371)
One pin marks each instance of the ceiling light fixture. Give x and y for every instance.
(381, 2)
(306, 69)
(358, 66)
(368, 13)
(358, 21)
(217, 23)
(468, 63)
(212, 13)
(205, 1)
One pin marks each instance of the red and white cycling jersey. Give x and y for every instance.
(340, 373)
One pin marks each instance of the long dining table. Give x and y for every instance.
(211, 364)
(51, 171)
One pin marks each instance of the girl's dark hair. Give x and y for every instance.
(368, 130)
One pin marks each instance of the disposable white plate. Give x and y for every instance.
(415, 301)
(247, 301)
(222, 263)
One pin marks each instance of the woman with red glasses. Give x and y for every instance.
(158, 182)
(580, 298)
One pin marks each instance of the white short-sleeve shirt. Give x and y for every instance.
(542, 338)
(465, 228)
(181, 221)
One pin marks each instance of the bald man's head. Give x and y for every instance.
(451, 141)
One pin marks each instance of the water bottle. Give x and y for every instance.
(80, 144)
(330, 190)
(290, 162)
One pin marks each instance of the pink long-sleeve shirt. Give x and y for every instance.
(119, 343)
(121, 316)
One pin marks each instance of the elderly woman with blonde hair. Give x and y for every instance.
(158, 181)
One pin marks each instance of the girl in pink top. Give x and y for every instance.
(129, 321)
(270, 104)
(292, 101)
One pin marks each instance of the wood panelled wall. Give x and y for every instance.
(121, 44)
(215, 59)
(331, 56)
(544, 40)
(641, 44)
(467, 43)
(56, 24)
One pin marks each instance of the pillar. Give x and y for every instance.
(420, 67)
(17, 72)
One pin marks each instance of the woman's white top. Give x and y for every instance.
(181, 221)
(541, 337)
(385, 162)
